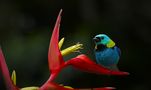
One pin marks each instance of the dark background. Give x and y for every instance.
(25, 31)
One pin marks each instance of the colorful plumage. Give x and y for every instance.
(106, 53)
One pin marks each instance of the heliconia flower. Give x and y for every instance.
(11, 82)
(81, 62)
(56, 64)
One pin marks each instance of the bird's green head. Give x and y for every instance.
(102, 39)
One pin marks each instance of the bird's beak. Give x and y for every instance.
(96, 39)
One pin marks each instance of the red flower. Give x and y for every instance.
(5, 73)
(56, 64)
(81, 62)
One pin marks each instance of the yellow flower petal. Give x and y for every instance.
(68, 87)
(71, 49)
(61, 43)
(30, 88)
(13, 77)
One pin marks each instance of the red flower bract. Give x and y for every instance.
(84, 63)
(5, 73)
(55, 59)
(54, 55)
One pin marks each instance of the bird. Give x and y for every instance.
(107, 53)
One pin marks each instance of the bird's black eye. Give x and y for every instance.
(102, 38)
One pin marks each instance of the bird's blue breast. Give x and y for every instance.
(108, 56)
